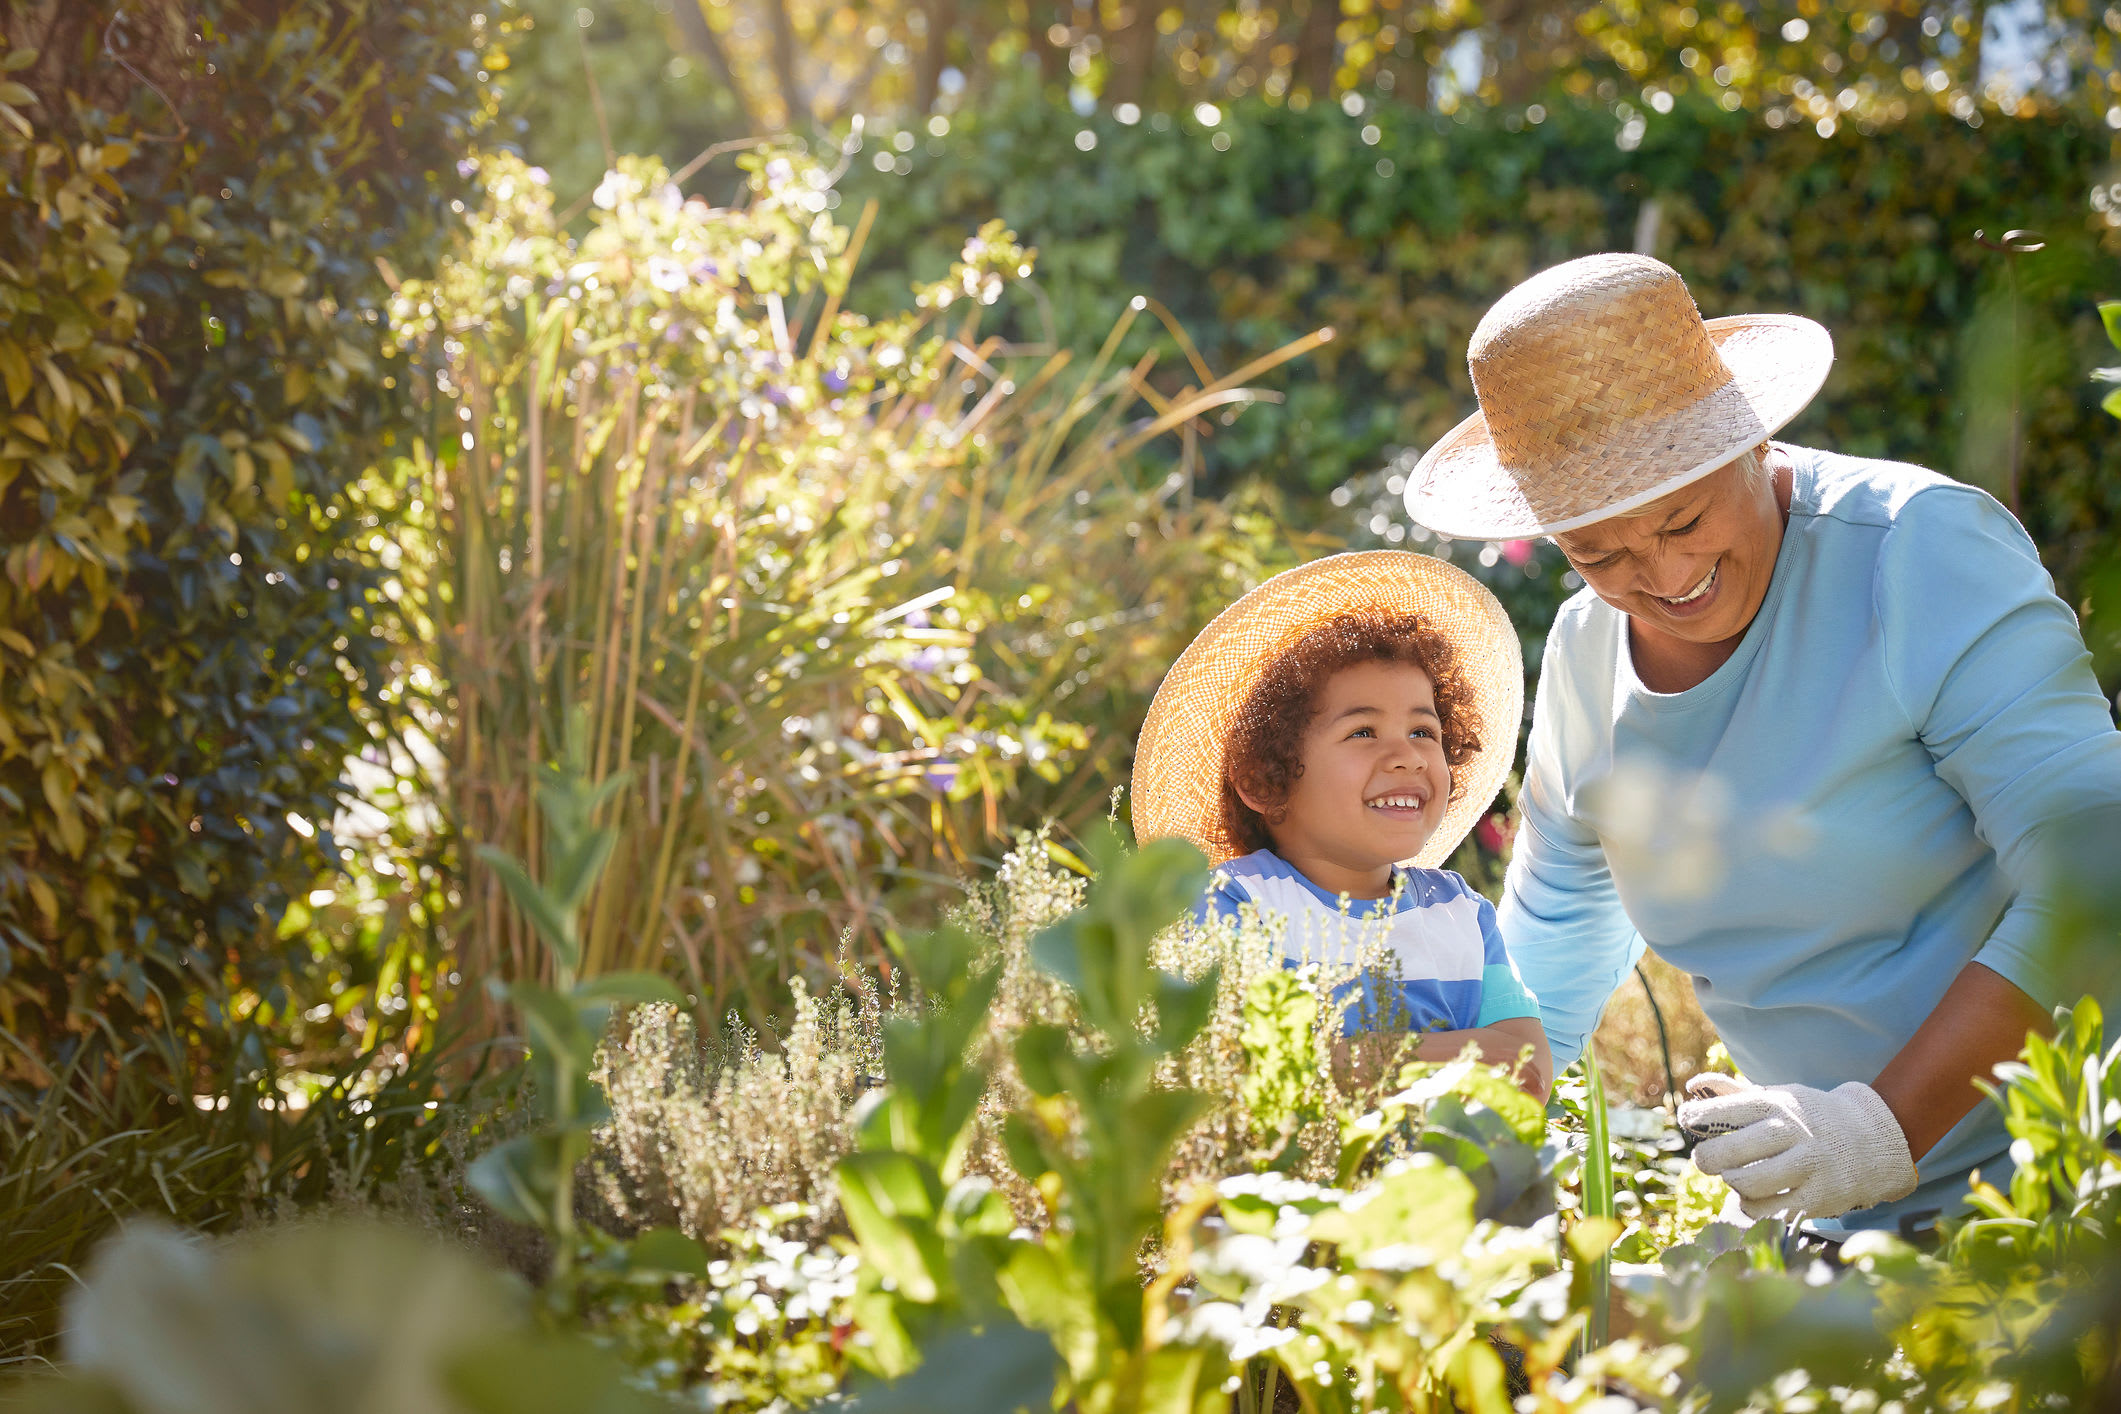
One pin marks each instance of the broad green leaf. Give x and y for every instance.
(519, 1179)
(1420, 1204)
(890, 1205)
(1178, 1379)
(2110, 316)
(552, 923)
(1183, 1008)
(667, 1250)
(1002, 1369)
(538, 1374)
(1050, 1293)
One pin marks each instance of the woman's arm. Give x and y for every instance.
(1992, 672)
(1560, 915)
(1980, 1023)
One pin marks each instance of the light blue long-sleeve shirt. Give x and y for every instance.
(1841, 817)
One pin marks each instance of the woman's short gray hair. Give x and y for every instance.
(1753, 459)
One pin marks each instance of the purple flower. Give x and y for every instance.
(465, 166)
(942, 775)
(917, 619)
(704, 268)
(925, 660)
(835, 380)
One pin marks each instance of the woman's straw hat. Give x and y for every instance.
(1601, 389)
(1178, 764)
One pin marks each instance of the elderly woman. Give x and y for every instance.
(1811, 731)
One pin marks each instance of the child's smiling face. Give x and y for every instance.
(1374, 784)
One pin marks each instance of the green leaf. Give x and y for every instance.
(1183, 1008)
(1420, 1202)
(537, 1374)
(553, 923)
(2111, 403)
(890, 1200)
(667, 1250)
(554, 1024)
(573, 873)
(519, 1179)
(2110, 316)
(999, 1370)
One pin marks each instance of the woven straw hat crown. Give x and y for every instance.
(1601, 388)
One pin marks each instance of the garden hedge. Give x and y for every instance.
(1399, 226)
(200, 217)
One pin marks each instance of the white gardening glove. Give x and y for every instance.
(1790, 1149)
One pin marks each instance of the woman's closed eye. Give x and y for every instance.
(1688, 529)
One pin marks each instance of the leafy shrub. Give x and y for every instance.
(308, 1318)
(1398, 226)
(843, 598)
(703, 1135)
(196, 204)
(2015, 1308)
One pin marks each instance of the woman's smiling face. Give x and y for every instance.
(1374, 784)
(1694, 566)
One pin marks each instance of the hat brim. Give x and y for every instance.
(1462, 488)
(1179, 761)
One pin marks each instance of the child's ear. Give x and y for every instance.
(1254, 801)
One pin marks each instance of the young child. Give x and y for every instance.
(1342, 718)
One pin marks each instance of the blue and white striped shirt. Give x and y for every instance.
(1453, 971)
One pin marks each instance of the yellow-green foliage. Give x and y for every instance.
(192, 229)
(845, 599)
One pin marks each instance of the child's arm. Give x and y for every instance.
(1358, 1060)
(1500, 1043)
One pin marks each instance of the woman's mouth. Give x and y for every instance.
(1695, 600)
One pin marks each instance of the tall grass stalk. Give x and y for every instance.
(1597, 1194)
(830, 597)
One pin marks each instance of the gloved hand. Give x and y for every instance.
(1790, 1149)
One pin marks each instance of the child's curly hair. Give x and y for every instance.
(1265, 744)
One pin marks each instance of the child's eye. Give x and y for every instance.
(1422, 731)
(1361, 731)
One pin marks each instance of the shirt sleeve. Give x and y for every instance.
(1992, 672)
(1222, 900)
(1503, 996)
(1561, 917)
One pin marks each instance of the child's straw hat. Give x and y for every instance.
(1178, 764)
(1601, 389)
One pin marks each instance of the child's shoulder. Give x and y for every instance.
(1428, 888)
(1266, 879)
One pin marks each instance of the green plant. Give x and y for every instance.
(704, 1133)
(937, 1247)
(2014, 1308)
(531, 1178)
(193, 208)
(845, 597)
(312, 1318)
(1398, 226)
